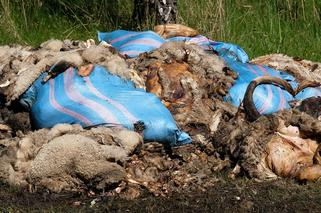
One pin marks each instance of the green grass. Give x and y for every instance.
(260, 27)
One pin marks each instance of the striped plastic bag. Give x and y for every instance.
(132, 43)
(101, 99)
(267, 98)
(230, 51)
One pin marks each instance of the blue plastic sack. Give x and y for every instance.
(132, 43)
(101, 99)
(247, 72)
(267, 98)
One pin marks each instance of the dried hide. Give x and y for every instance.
(174, 30)
(311, 106)
(13, 123)
(282, 145)
(188, 168)
(67, 157)
(21, 67)
(186, 78)
(302, 70)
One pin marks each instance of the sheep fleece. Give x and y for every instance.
(67, 157)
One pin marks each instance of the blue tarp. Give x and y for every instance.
(100, 99)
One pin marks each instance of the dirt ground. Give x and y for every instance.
(240, 195)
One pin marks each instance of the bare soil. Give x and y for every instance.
(240, 195)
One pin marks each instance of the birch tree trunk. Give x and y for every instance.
(159, 11)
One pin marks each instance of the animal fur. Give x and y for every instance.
(252, 144)
(67, 157)
(21, 67)
(187, 79)
(302, 70)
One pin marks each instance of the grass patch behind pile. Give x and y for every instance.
(260, 27)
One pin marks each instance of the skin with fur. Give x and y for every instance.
(17, 63)
(302, 70)
(186, 79)
(67, 157)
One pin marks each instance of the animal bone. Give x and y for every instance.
(248, 103)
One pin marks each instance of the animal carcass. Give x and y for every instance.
(283, 144)
(187, 79)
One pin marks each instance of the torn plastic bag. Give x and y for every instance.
(101, 99)
(132, 43)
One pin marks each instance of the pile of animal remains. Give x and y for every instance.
(191, 83)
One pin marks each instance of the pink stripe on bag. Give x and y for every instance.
(75, 96)
(267, 102)
(143, 41)
(282, 98)
(198, 40)
(253, 70)
(62, 109)
(124, 37)
(119, 106)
